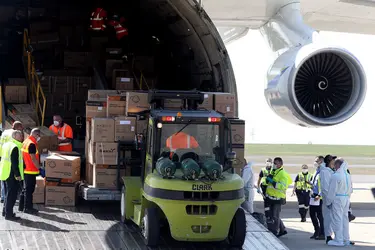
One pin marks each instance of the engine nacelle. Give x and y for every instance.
(315, 85)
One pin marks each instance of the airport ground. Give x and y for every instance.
(361, 229)
(361, 161)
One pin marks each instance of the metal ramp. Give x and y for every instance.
(259, 238)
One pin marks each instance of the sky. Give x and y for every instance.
(251, 58)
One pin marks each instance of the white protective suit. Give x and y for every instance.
(338, 199)
(248, 179)
(325, 179)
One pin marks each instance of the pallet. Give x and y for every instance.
(90, 193)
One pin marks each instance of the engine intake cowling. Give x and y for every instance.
(315, 86)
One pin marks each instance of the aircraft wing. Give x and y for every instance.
(234, 18)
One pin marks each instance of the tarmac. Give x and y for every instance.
(361, 229)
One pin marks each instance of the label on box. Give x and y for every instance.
(125, 122)
(132, 128)
(100, 108)
(125, 79)
(205, 96)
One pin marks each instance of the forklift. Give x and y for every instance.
(194, 189)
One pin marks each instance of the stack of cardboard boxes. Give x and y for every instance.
(238, 143)
(110, 119)
(62, 177)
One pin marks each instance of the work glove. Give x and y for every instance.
(269, 180)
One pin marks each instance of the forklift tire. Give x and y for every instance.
(151, 226)
(237, 231)
(123, 206)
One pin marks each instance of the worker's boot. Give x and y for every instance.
(303, 215)
(351, 217)
(314, 235)
(320, 237)
(282, 233)
(30, 211)
(329, 238)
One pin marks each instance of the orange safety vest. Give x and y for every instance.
(62, 133)
(97, 21)
(181, 140)
(120, 30)
(30, 167)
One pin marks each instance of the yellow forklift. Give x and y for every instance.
(191, 188)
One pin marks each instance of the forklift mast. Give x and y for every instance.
(191, 99)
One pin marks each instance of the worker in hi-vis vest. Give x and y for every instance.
(11, 171)
(302, 187)
(64, 134)
(181, 140)
(5, 137)
(32, 163)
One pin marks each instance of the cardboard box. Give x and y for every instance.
(74, 59)
(72, 153)
(113, 51)
(102, 130)
(48, 140)
(105, 176)
(104, 153)
(97, 108)
(116, 105)
(225, 103)
(112, 64)
(58, 194)
(16, 91)
(240, 156)
(141, 127)
(63, 168)
(124, 83)
(238, 131)
(40, 27)
(81, 84)
(88, 131)
(125, 128)
(136, 102)
(39, 193)
(208, 102)
(122, 79)
(89, 173)
(44, 40)
(94, 94)
(61, 84)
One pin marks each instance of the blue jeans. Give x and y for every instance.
(2, 191)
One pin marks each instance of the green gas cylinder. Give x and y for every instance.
(190, 169)
(165, 167)
(212, 169)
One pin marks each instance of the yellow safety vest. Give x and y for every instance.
(265, 174)
(5, 165)
(5, 137)
(301, 182)
(283, 180)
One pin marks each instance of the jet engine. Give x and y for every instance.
(316, 85)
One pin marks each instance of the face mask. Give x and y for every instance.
(268, 164)
(316, 165)
(305, 171)
(274, 166)
(56, 123)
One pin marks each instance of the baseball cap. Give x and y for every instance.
(329, 158)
